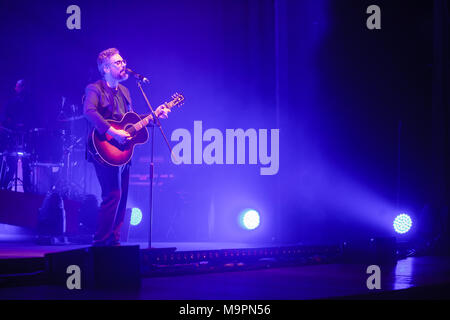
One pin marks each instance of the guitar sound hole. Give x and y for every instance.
(130, 129)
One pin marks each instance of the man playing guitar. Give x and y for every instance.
(107, 99)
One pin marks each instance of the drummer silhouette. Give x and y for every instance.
(17, 120)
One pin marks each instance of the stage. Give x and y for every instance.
(420, 277)
(269, 149)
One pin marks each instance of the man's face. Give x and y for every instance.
(116, 68)
(20, 86)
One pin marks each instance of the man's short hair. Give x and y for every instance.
(103, 58)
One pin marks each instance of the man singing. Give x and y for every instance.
(104, 100)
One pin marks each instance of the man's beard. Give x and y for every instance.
(122, 76)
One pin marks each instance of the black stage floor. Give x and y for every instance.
(425, 277)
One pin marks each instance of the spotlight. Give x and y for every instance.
(249, 219)
(136, 216)
(402, 223)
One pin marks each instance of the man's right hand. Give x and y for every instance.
(120, 136)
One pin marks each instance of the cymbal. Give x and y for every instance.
(5, 129)
(15, 154)
(74, 118)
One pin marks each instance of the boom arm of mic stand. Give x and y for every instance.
(156, 119)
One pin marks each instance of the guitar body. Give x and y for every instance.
(109, 150)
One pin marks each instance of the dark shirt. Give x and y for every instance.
(103, 103)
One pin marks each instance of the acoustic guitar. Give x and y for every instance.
(105, 148)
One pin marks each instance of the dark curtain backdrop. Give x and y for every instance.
(354, 106)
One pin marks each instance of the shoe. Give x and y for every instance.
(108, 242)
(99, 243)
(112, 241)
(115, 243)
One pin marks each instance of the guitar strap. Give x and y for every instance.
(127, 96)
(106, 92)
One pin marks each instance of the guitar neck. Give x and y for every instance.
(177, 99)
(144, 122)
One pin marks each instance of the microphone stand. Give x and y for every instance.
(152, 134)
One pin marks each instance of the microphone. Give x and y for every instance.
(137, 75)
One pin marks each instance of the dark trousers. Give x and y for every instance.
(114, 183)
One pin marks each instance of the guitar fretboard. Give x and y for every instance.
(144, 122)
(177, 99)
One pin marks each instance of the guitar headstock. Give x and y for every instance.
(177, 100)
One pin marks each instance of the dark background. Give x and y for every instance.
(363, 114)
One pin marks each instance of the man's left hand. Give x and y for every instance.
(162, 112)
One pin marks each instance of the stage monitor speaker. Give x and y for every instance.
(115, 267)
(381, 251)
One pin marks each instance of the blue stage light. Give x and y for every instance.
(249, 219)
(136, 216)
(402, 223)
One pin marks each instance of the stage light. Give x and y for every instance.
(249, 219)
(402, 223)
(136, 216)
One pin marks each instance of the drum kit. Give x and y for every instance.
(48, 155)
